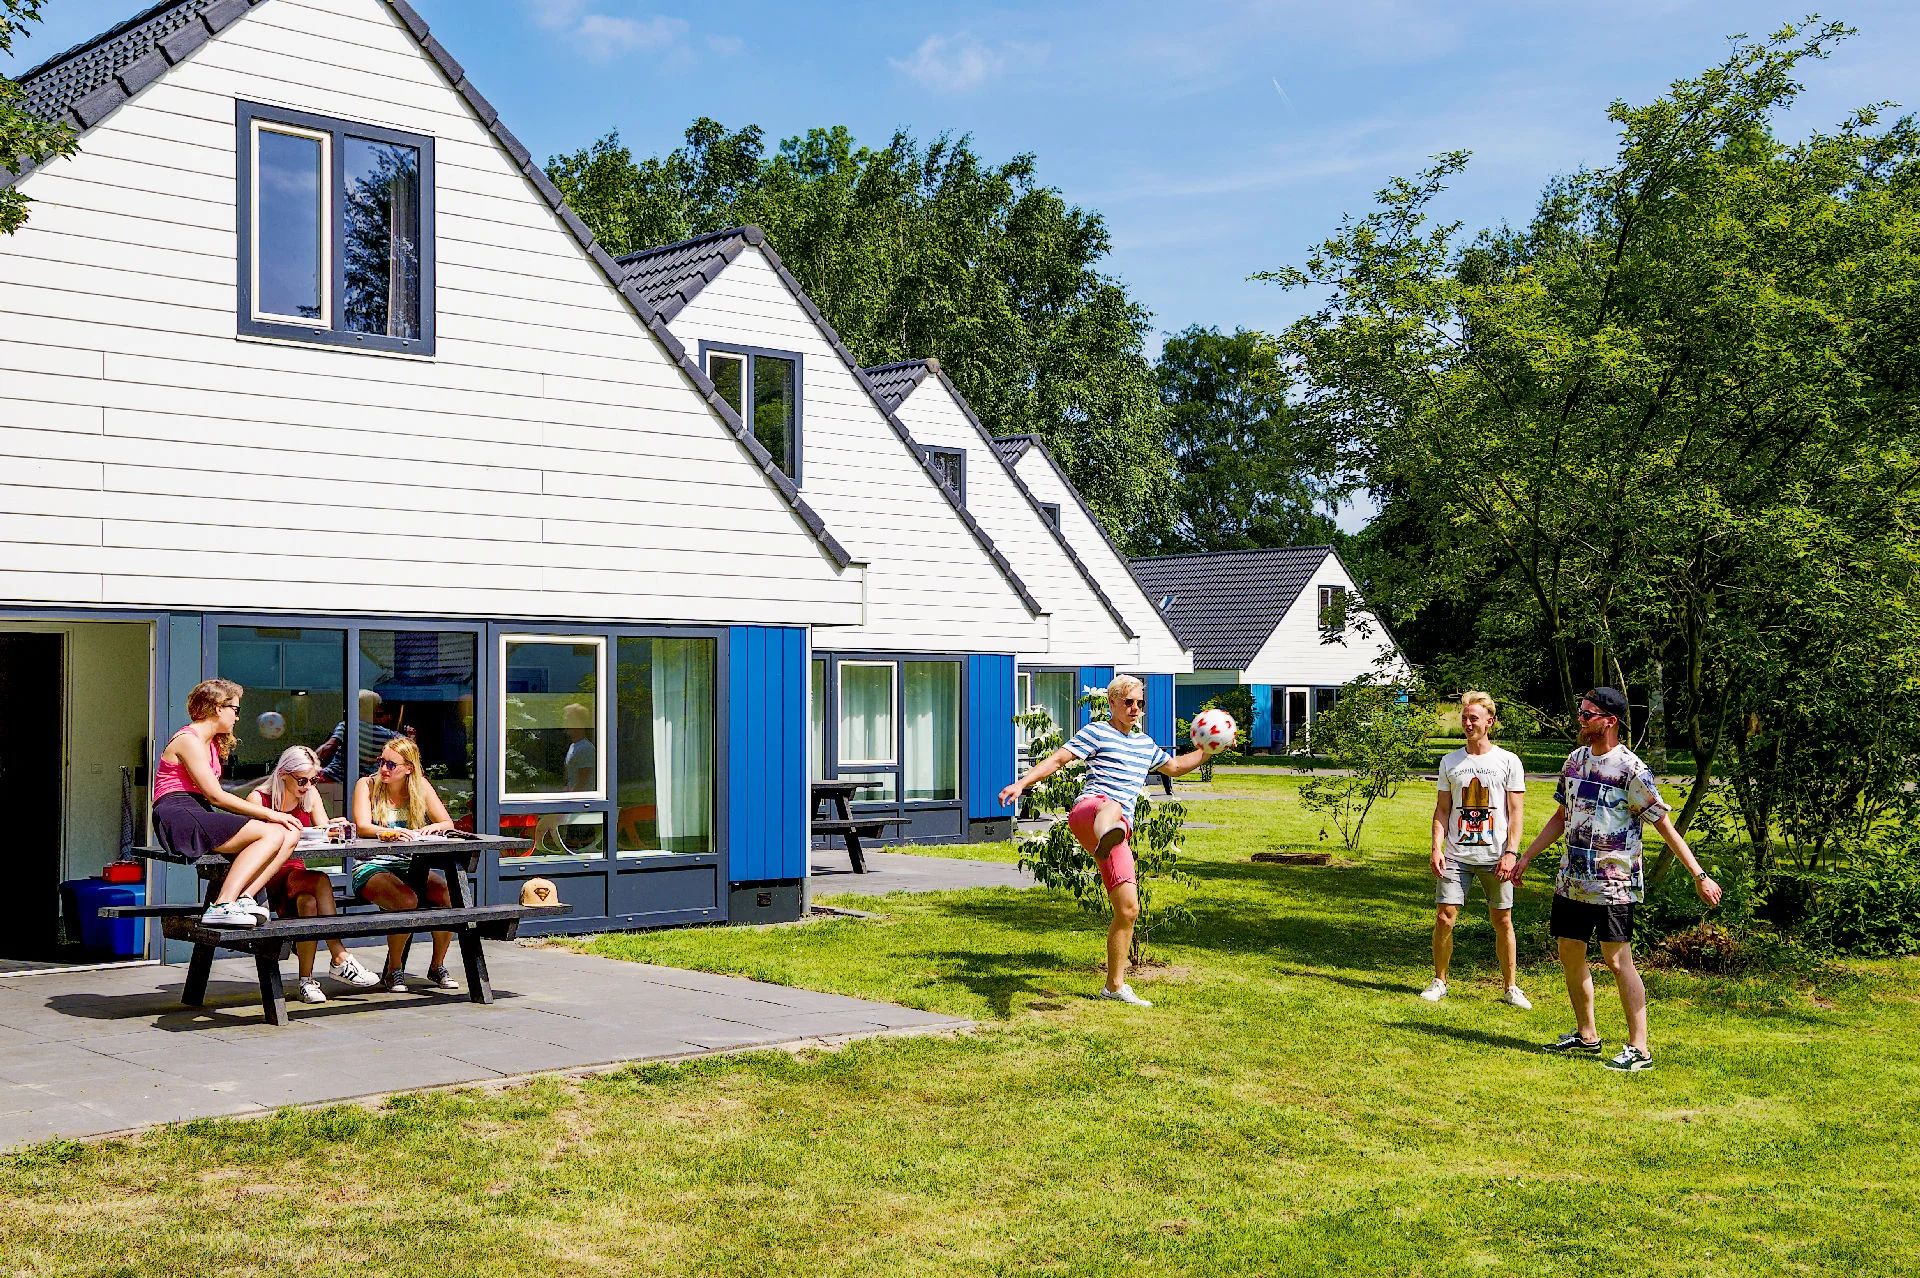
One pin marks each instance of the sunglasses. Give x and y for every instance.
(1585, 715)
(304, 782)
(388, 765)
(1133, 701)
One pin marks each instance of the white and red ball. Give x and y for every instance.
(1214, 731)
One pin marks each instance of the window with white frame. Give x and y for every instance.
(335, 232)
(868, 732)
(552, 717)
(763, 386)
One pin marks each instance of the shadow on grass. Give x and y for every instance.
(1459, 1034)
(999, 977)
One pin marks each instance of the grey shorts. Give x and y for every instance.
(1452, 888)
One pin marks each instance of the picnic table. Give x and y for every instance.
(455, 855)
(837, 796)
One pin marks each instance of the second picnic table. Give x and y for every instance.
(838, 796)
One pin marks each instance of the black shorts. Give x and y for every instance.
(1582, 920)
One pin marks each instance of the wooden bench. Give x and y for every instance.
(270, 942)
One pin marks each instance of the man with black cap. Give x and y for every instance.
(1605, 794)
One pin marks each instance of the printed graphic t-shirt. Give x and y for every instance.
(1607, 797)
(1480, 784)
(1117, 762)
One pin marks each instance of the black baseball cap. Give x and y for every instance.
(1610, 701)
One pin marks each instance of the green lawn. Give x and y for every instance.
(1544, 754)
(1288, 1107)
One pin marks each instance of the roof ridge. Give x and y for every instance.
(746, 230)
(1253, 550)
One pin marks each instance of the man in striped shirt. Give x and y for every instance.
(1119, 755)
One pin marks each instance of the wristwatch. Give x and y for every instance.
(1702, 875)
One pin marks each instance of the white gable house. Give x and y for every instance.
(309, 380)
(915, 696)
(1160, 654)
(1091, 637)
(1286, 623)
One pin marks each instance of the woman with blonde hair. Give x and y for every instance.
(296, 891)
(395, 805)
(196, 817)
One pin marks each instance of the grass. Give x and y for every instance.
(1288, 1107)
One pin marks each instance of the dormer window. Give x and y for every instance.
(950, 464)
(1166, 602)
(1333, 610)
(1051, 510)
(763, 386)
(335, 232)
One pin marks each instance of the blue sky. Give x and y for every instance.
(1217, 138)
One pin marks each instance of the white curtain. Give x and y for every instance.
(931, 767)
(817, 720)
(1054, 692)
(866, 712)
(683, 743)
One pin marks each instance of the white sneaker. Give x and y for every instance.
(394, 982)
(1517, 999)
(310, 991)
(1125, 995)
(230, 915)
(350, 974)
(1435, 991)
(260, 912)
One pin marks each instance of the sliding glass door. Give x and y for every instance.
(896, 725)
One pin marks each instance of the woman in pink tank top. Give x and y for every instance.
(198, 818)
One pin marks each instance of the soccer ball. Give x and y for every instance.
(1214, 731)
(272, 725)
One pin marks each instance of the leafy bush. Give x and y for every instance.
(1377, 733)
(1867, 904)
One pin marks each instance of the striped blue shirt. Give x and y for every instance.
(1117, 762)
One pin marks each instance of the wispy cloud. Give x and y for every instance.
(960, 62)
(601, 36)
(725, 45)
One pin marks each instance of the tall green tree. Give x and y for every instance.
(916, 250)
(1668, 425)
(25, 139)
(1248, 473)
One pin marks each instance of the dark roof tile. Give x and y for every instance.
(1227, 603)
(897, 381)
(58, 85)
(1013, 447)
(671, 276)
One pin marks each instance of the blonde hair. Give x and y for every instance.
(384, 810)
(1474, 697)
(1121, 683)
(204, 703)
(293, 759)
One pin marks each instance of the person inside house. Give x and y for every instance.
(581, 766)
(197, 818)
(395, 805)
(296, 891)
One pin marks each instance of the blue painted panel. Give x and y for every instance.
(1092, 677)
(1189, 697)
(1262, 725)
(766, 754)
(1160, 710)
(990, 759)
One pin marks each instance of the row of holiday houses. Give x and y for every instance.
(309, 379)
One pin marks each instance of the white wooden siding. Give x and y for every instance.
(1160, 650)
(1082, 632)
(930, 585)
(1294, 654)
(549, 461)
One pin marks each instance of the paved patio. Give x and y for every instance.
(907, 872)
(88, 1053)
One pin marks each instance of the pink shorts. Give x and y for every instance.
(1118, 867)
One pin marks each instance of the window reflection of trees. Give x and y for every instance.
(382, 238)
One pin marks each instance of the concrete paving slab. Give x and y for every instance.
(86, 1053)
(905, 872)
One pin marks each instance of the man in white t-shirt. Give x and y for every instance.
(1476, 835)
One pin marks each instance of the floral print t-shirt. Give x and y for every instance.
(1607, 798)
